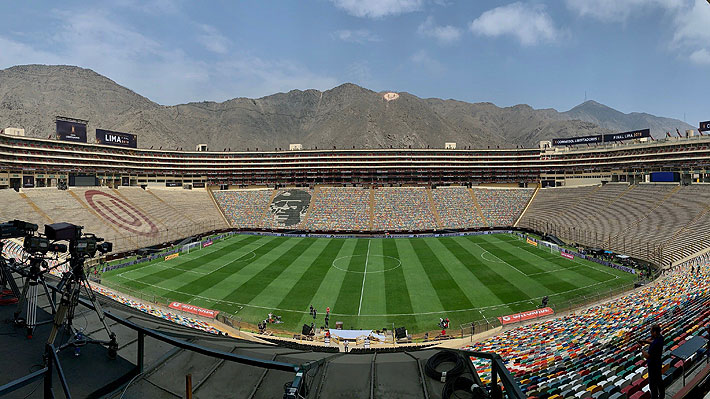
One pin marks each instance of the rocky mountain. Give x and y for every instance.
(609, 118)
(344, 117)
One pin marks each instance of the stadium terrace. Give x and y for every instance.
(541, 269)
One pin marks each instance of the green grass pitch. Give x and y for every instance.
(369, 283)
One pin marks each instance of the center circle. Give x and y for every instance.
(388, 263)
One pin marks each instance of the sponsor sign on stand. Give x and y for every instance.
(531, 242)
(207, 244)
(533, 314)
(566, 255)
(704, 126)
(194, 309)
(172, 256)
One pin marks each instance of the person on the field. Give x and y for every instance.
(315, 313)
(654, 362)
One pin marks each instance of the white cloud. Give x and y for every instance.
(378, 8)
(423, 59)
(529, 23)
(689, 20)
(356, 36)
(701, 56)
(618, 10)
(213, 40)
(100, 40)
(443, 34)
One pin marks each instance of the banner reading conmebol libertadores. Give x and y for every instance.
(194, 309)
(71, 131)
(533, 314)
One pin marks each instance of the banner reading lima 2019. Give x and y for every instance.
(108, 137)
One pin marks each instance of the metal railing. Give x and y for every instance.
(52, 361)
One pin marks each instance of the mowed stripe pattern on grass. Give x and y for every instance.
(409, 282)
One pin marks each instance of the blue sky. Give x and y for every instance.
(634, 55)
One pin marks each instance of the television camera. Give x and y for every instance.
(82, 246)
(33, 268)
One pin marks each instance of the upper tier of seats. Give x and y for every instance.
(597, 350)
(643, 220)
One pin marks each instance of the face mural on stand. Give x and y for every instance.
(289, 207)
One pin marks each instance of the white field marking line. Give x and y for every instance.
(556, 270)
(243, 305)
(364, 275)
(239, 259)
(589, 264)
(377, 271)
(212, 249)
(488, 260)
(501, 260)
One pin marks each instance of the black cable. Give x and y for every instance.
(463, 384)
(444, 356)
(38, 382)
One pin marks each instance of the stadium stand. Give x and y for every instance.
(638, 220)
(288, 208)
(456, 208)
(245, 209)
(502, 207)
(402, 209)
(194, 206)
(340, 208)
(597, 350)
(120, 225)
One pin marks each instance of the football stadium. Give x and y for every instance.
(539, 270)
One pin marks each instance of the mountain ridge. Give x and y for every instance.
(343, 117)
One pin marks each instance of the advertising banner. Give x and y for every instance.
(108, 137)
(28, 181)
(606, 138)
(194, 309)
(173, 256)
(531, 242)
(71, 131)
(207, 244)
(566, 255)
(704, 126)
(533, 314)
(578, 140)
(636, 134)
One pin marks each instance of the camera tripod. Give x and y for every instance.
(6, 279)
(70, 286)
(34, 277)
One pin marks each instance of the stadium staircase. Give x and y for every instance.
(372, 208)
(530, 201)
(478, 207)
(434, 212)
(36, 208)
(304, 221)
(219, 208)
(266, 209)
